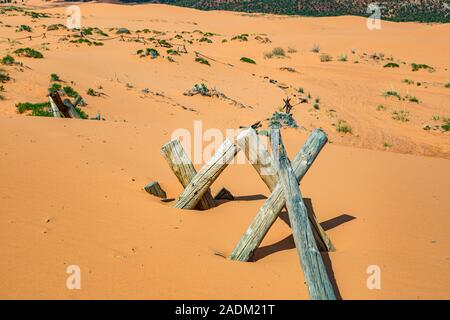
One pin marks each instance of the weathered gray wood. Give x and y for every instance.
(268, 213)
(155, 189)
(184, 170)
(71, 111)
(209, 173)
(55, 110)
(260, 158)
(316, 276)
(224, 194)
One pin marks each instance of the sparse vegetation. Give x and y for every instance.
(29, 53)
(391, 65)
(400, 115)
(202, 61)
(342, 57)
(412, 99)
(54, 77)
(447, 85)
(325, 57)
(315, 48)
(37, 109)
(276, 52)
(4, 77)
(248, 60)
(8, 60)
(24, 27)
(70, 92)
(54, 87)
(123, 31)
(343, 127)
(241, 37)
(149, 52)
(381, 107)
(417, 67)
(407, 81)
(282, 120)
(392, 93)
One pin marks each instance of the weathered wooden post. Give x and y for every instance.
(184, 170)
(71, 111)
(209, 173)
(316, 276)
(55, 110)
(260, 158)
(268, 213)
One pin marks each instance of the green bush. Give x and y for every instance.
(248, 60)
(342, 57)
(417, 67)
(392, 93)
(8, 60)
(24, 27)
(343, 127)
(29, 53)
(54, 77)
(391, 65)
(401, 115)
(54, 87)
(4, 77)
(202, 61)
(70, 92)
(407, 81)
(34, 107)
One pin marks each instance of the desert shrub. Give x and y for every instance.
(8, 60)
(342, 57)
(315, 48)
(54, 27)
(92, 92)
(288, 69)
(301, 90)
(392, 93)
(282, 120)
(4, 77)
(54, 77)
(380, 107)
(343, 127)
(447, 85)
(248, 60)
(407, 81)
(277, 52)
(412, 99)
(70, 92)
(54, 87)
(418, 66)
(87, 41)
(173, 52)
(202, 61)
(153, 53)
(325, 57)
(241, 37)
(400, 115)
(163, 43)
(29, 53)
(391, 65)
(82, 114)
(446, 125)
(291, 50)
(205, 39)
(24, 27)
(123, 31)
(35, 108)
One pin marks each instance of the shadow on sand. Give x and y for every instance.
(288, 242)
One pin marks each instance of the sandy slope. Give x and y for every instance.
(71, 191)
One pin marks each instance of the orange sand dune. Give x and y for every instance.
(71, 190)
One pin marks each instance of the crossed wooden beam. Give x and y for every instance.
(282, 178)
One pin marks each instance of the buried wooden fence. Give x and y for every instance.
(64, 108)
(282, 178)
